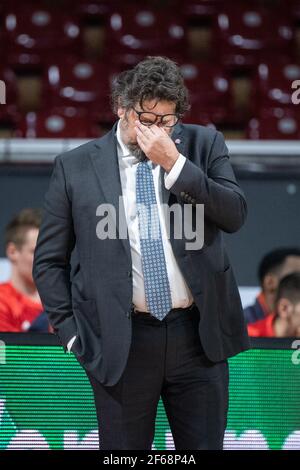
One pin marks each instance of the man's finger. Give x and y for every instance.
(156, 130)
(141, 135)
(147, 130)
(141, 143)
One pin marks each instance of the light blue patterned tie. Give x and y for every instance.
(157, 288)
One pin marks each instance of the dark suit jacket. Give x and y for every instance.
(95, 302)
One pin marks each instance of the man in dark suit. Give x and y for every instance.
(146, 317)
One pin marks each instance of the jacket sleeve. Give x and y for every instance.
(51, 267)
(223, 199)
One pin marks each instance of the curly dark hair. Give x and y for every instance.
(274, 260)
(156, 78)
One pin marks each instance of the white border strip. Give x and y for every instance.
(45, 150)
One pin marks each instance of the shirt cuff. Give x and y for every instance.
(70, 343)
(171, 177)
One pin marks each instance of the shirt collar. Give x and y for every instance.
(124, 150)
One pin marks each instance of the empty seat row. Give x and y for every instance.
(272, 123)
(240, 34)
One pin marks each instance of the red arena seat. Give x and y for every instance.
(40, 29)
(208, 84)
(274, 82)
(144, 30)
(54, 124)
(82, 84)
(276, 123)
(247, 31)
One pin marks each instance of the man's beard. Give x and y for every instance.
(137, 152)
(133, 147)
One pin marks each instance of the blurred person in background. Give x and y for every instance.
(285, 322)
(20, 304)
(274, 266)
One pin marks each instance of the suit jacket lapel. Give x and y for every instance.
(105, 162)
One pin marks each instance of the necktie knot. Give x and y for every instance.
(147, 164)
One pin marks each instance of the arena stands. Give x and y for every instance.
(239, 60)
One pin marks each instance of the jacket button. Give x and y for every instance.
(129, 273)
(128, 314)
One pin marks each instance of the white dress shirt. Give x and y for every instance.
(180, 293)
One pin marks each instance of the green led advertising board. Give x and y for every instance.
(46, 401)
